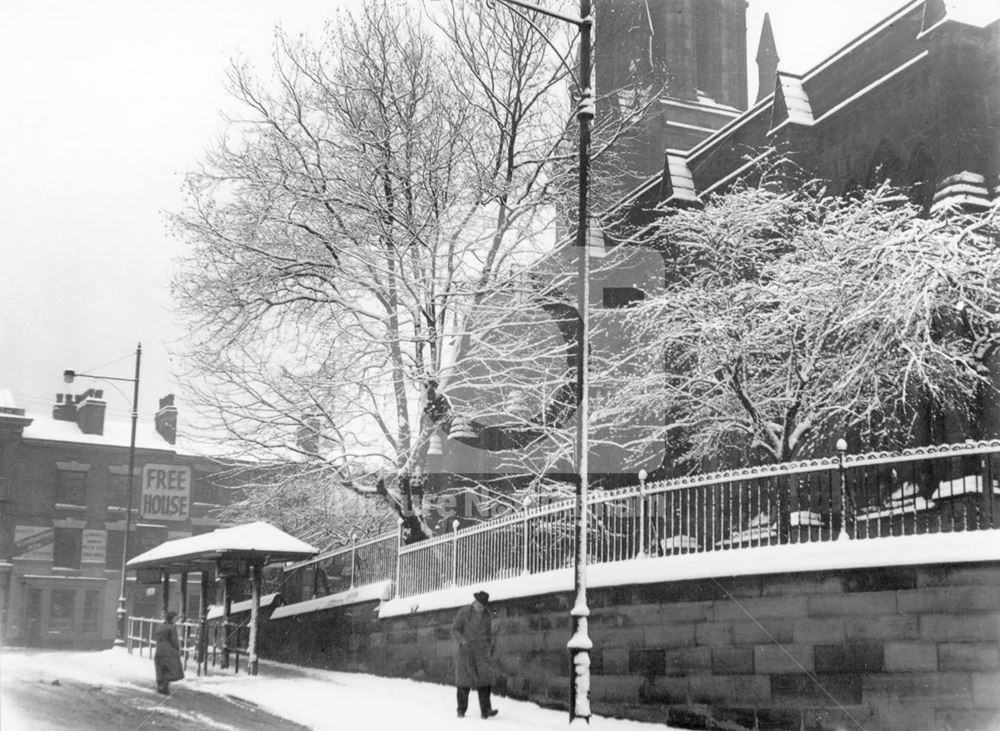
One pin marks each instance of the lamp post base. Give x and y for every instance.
(120, 635)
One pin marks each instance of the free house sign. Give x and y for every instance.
(166, 492)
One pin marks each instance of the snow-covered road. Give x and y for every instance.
(316, 699)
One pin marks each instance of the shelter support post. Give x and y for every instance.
(182, 612)
(184, 596)
(255, 581)
(201, 656)
(165, 583)
(227, 624)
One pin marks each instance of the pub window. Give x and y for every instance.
(72, 487)
(61, 610)
(618, 297)
(68, 546)
(91, 611)
(113, 552)
(119, 491)
(205, 491)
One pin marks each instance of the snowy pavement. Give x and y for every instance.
(316, 699)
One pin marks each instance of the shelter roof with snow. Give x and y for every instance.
(258, 542)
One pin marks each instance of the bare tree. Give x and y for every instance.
(793, 318)
(379, 189)
(310, 506)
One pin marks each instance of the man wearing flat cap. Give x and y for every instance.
(473, 631)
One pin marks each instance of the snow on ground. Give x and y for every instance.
(320, 699)
(324, 700)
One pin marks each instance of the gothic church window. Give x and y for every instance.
(921, 176)
(885, 166)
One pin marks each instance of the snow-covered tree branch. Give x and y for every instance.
(349, 232)
(793, 318)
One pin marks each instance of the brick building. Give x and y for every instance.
(63, 487)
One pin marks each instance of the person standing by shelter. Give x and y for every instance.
(473, 631)
(167, 657)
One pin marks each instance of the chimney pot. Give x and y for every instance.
(64, 408)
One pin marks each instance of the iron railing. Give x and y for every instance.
(360, 564)
(141, 635)
(847, 497)
(218, 642)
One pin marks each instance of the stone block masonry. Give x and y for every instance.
(895, 649)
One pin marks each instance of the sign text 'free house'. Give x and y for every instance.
(166, 492)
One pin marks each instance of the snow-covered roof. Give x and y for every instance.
(116, 433)
(257, 541)
(681, 180)
(796, 99)
(380, 591)
(972, 12)
(217, 611)
(7, 399)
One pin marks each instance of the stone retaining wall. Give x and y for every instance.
(898, 648)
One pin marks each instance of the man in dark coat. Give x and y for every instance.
(167, 657)
(473, 631)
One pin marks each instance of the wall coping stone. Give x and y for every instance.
(371, 592)
(913, 550)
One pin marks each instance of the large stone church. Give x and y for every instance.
(914, 99)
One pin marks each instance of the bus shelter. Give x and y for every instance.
(230, 554)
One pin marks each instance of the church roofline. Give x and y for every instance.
(766, 105)
(871, 87)
(700, 105)
(862, 39)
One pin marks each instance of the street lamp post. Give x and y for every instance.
(68, 377)
(579, 644)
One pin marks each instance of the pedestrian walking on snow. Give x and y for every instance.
(167, 657)
(473, 631)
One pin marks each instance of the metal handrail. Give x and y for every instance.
(141, 631)
(344, 550)
(805, 501)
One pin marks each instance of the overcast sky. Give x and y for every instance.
(106, 104)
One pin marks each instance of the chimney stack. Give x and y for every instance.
(166, 419)
(90, 409)
(65, 408)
